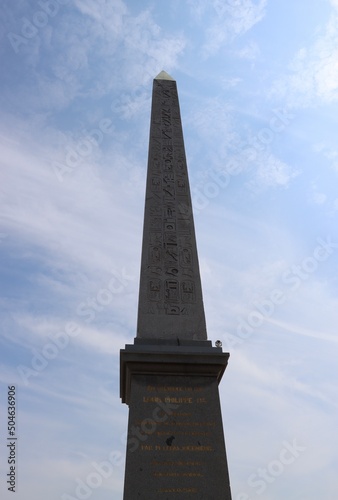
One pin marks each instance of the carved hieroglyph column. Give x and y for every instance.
(170, 301)
(170, 375)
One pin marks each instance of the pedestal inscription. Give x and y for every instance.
(175, 440)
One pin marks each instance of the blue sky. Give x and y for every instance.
(258, 89)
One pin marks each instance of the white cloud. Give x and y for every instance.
(39, 208)
(317, 196)
(92, 50)
(329, 152)
(228, 83)
(212, 119)
(271, 172)
(249, 51)
(63, 239)
(313, 74)
(140, 45)
(231, 20)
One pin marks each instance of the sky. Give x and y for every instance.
(258, 90)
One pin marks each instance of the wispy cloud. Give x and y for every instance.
(75, 100)
(73, 58)
(271, 172)
(229, 21)
(313, 73)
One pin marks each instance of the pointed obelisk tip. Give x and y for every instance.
(163, 76)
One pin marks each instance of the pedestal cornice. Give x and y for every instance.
(169, 360)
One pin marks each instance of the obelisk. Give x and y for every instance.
(170, 375)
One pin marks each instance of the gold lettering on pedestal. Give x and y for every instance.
(167, 399)
(187, 448)
(178, 463)
(177, 490)
(178, 400)
(189, 424)
(171, 388)
(145, 447)
(151, 399)
(185, 433)
(178, 474)
(197, 448)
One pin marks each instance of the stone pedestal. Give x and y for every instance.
(170, 376)
(175, 446)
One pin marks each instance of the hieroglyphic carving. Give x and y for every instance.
(171, 271)
(155, 255)
(186, 257)
(184, 225)
(172, 293)
(188, 291)
(155, 223)
(169, 225)
(155, 270)
(154, 289)
(171, 253)
(181, 185)
(156, 184)
(169, 219)
(172, 309)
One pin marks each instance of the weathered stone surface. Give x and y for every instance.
(170, 298)
(175, 447)
(170, 375)
(193, 358)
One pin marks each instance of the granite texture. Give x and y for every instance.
(169, 377)
(175, 444)
(170, 297)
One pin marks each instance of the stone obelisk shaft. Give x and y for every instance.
(170, 375)
(170, 300)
